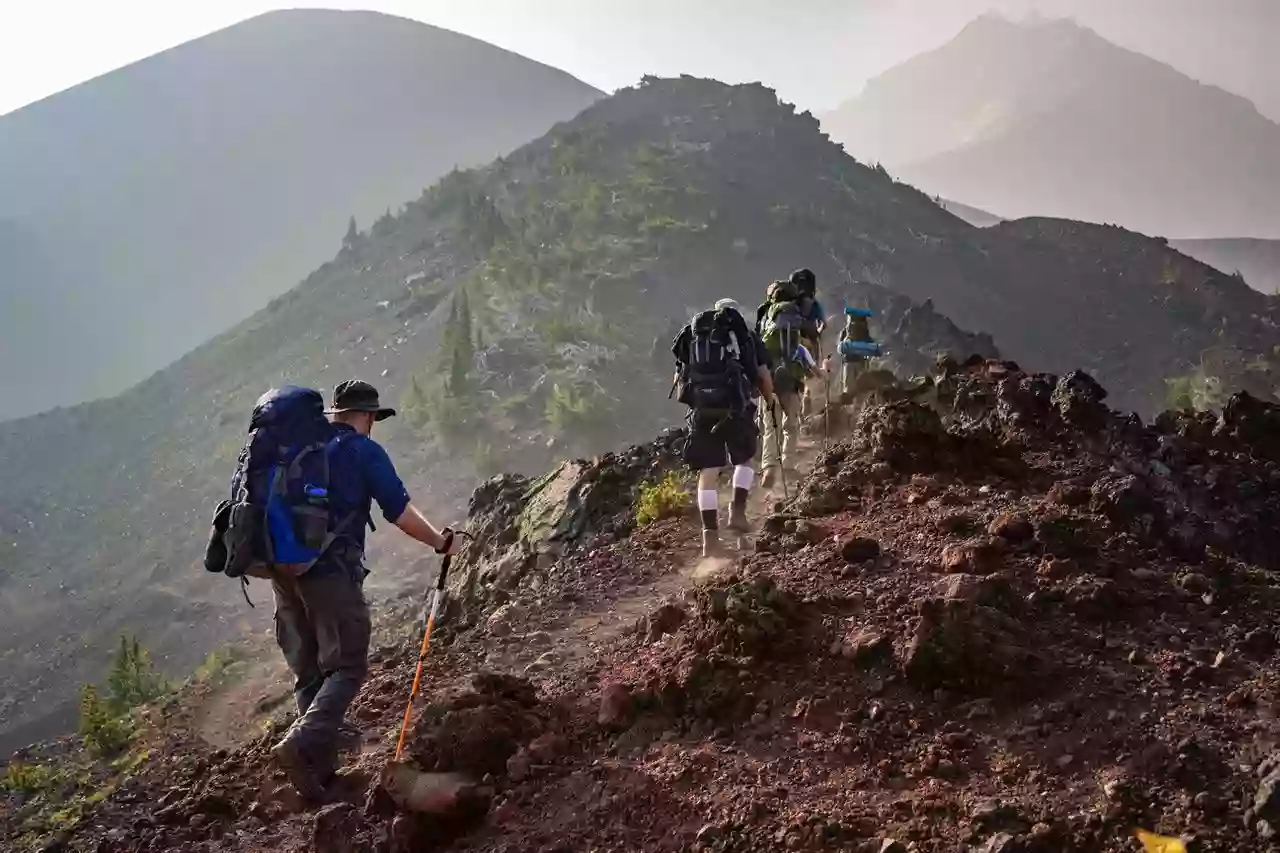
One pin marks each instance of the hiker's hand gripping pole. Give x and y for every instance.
(437, 595)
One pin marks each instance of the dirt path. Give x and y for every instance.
(588, 633)
(239, 699)
(230, 712)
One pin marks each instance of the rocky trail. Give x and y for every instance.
(1016, 622)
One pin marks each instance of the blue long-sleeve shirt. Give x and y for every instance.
(360, 473)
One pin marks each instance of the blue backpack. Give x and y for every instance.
(279, 519)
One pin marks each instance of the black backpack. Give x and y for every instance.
(713, 379)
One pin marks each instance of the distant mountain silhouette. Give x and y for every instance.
(1047, 118)
(1257, 260)
(150, 208)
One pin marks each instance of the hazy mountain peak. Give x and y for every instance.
(1092, 131)
(171, 198)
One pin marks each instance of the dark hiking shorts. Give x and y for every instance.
(733, 442)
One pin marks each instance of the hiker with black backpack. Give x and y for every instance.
(302, 497)
(787, 329)
(721, 367)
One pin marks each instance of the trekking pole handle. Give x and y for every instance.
(449, 536)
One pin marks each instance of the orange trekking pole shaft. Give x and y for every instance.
(437, 595)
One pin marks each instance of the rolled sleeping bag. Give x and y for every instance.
(859, 312)
(863, 349)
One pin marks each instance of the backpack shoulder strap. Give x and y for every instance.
(739, 333)
(332, 536)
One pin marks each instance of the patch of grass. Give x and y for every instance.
(28, 779)
(666, 498)
(127, 765)
(216, 664)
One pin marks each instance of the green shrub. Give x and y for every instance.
(666, 498)
(27, 779)
(216, 664)
(105, 722)
(105, 730)
(1195, 391)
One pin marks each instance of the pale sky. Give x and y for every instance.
(814, 52)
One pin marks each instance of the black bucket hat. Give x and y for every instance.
(356, 396)
(805, 281)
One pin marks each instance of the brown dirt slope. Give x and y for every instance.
(1026, 624)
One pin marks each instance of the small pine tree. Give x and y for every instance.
(105, 731)
(459, 346)
(414, 403)
(353, 235)
(133, 680)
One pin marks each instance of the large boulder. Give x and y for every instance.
(1078, 399)
(961, 645)
(1253, 423)
(518, 525)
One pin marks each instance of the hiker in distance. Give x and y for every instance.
(787, 328)
(856, 348)
(721, 367)
(813, 402)
(311, 483)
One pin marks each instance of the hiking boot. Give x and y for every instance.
(299, 769)
(350, 738)
(738, 522)
(711, 546)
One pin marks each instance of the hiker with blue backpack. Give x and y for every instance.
(857, 348)
(301, 499)
(721, 369)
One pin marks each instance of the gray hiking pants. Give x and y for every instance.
(787, 411)
(322, 626)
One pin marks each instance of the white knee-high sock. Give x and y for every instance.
(742, 476)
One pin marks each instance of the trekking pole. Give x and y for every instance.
(826, 408)
(777, 445)
(437, 595)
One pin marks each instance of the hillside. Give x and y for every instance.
(1016, 622)
(522, 312)
(1048, 118)
(974, 216)
(1257, 260)
(181, 193)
